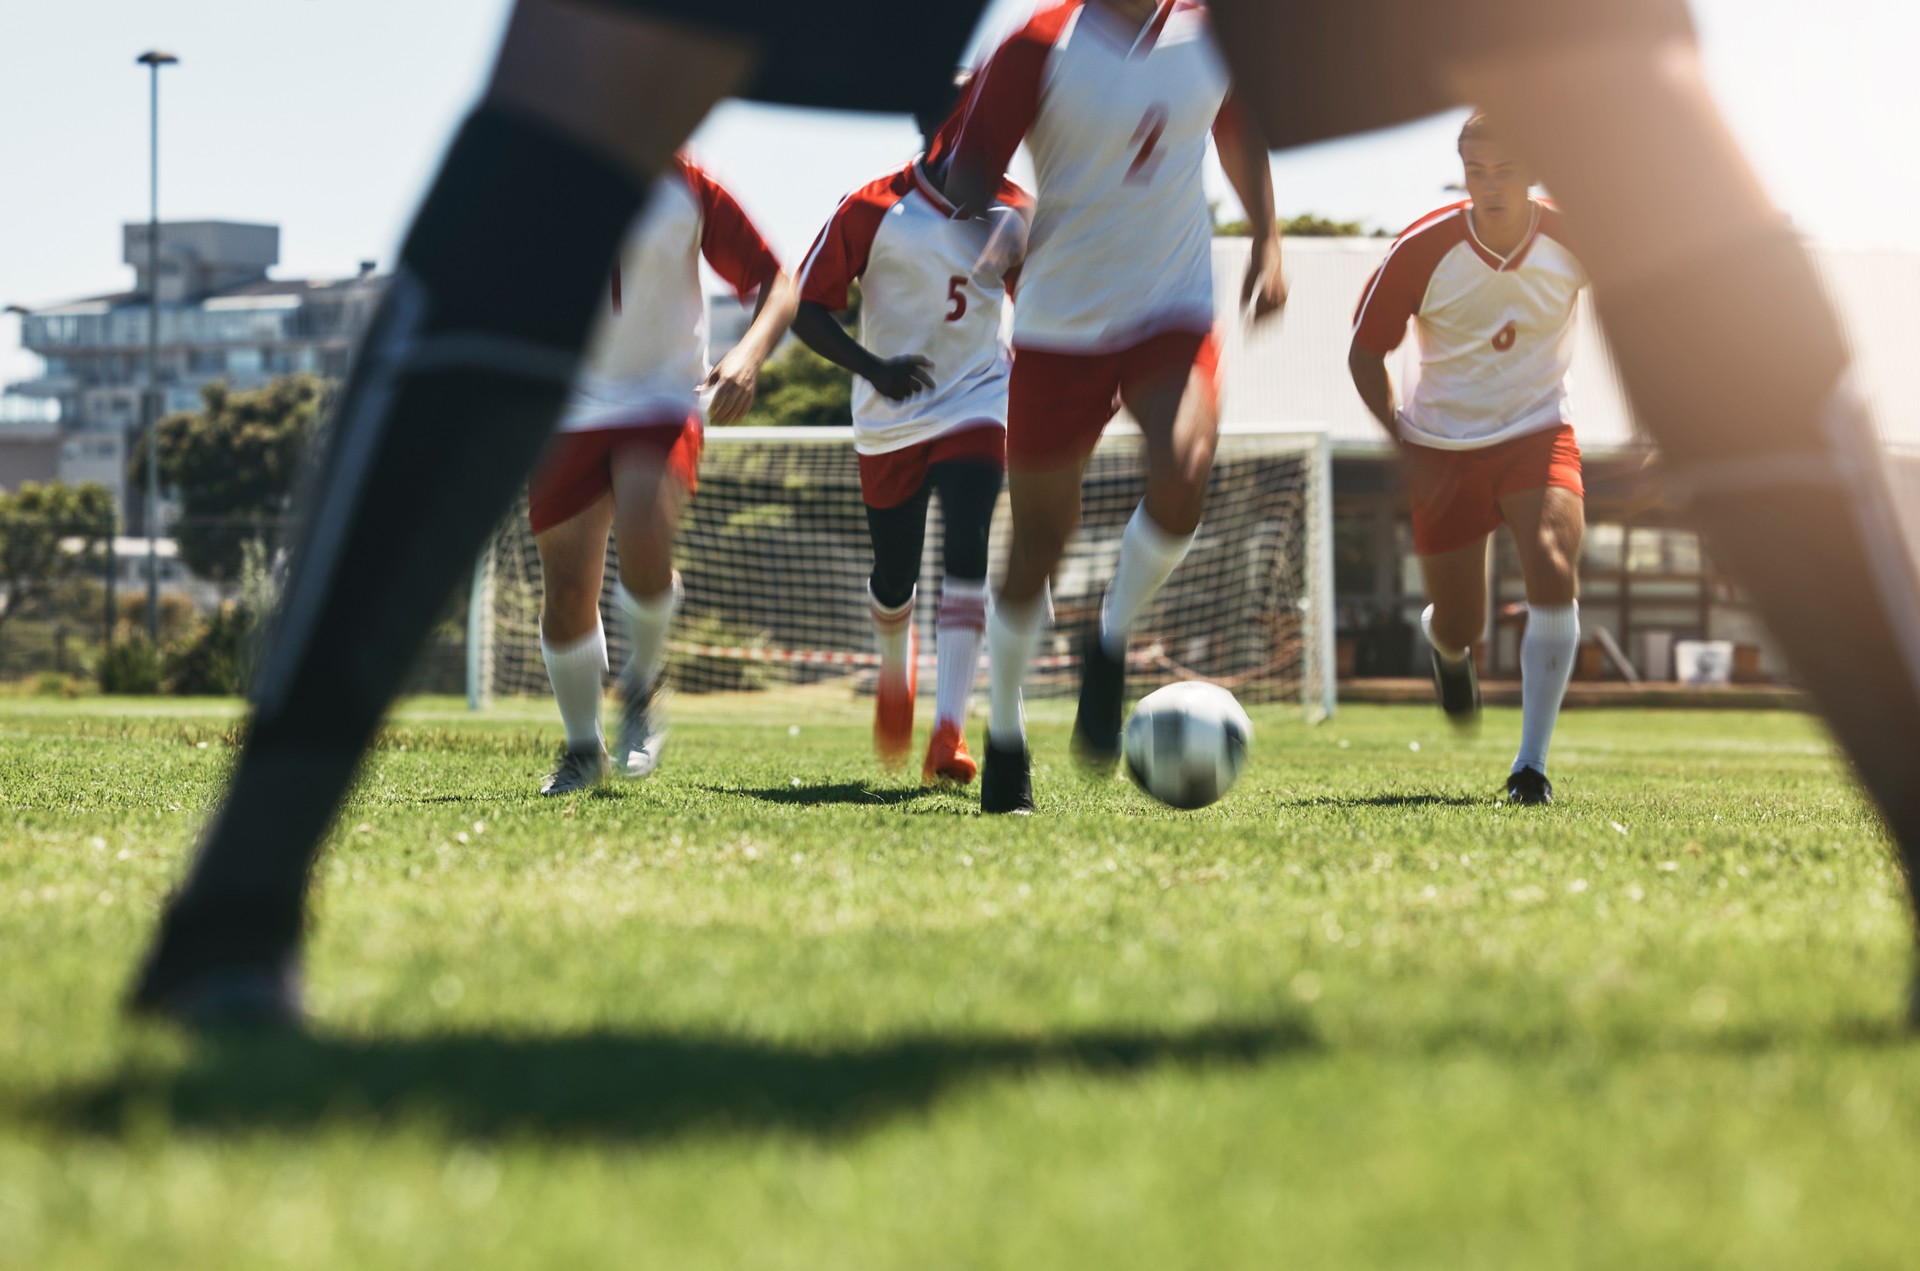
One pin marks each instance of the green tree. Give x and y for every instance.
(1305, 225)
(233, 463)
(50, 535)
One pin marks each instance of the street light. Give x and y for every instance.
(153, 60)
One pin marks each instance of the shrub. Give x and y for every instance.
(211, 661)
(132, 666)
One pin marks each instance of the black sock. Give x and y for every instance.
(457, 387)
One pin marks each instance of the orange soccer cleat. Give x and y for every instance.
(947, 757)
(893, 708)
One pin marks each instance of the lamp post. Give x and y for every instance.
(153, 60)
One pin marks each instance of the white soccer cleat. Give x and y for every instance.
(643, 731)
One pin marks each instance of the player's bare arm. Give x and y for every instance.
(1370, 378)
(736, 376)
(895, 379)
(1243, 156)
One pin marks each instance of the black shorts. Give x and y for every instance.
(886, 55)
(1314, 69)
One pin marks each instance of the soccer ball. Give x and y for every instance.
(1186, 743)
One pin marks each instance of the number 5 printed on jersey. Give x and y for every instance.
(1146, 144)
(956, 292)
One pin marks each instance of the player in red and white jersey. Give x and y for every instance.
(1116, 100)
(628, 454)
(929, 415)
(1491, 288)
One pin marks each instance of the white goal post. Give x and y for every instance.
(775, 553)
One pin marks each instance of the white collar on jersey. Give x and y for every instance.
(1499, 262)
(925, 185)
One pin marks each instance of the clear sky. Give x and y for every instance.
(325, 116)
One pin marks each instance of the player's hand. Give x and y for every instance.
(898, 378)
(732, 384)
(1265, 287)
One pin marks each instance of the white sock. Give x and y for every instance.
(892, 635)
(1426, 629)
(1013, 633)
(579, 675)
(1546, 664)
(647, 620)
(1148, 557)
(963, 616)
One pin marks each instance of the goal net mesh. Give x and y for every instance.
(774, 558)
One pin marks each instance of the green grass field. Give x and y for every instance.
(776, 1010)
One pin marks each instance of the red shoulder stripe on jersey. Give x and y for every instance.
(729, 239)
(839, 254)
(1005, 98)
(1394, 294)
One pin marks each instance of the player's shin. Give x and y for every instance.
(1148, 557)
(456, 388)
(1013, 634)
(578, 673)
(647, 621)
(898, 676)
(962, 620)
(1546, 665)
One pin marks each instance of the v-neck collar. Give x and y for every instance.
(923, 183)
(1511, 261)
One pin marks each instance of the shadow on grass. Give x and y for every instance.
(1392, 801)
(609, 1085)
(822, 794)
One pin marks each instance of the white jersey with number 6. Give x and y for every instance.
(918, 296)
(1117, 117)
(1496, 332)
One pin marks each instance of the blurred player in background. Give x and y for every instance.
(1116, 100)
(1491, 287)
(929, 415)
(1733, 357)
(628, 456)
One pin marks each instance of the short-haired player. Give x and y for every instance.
(627, 456)
(1116, 100)
(1486, 437)
(929, 416)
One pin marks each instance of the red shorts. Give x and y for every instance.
(1059, 403)
(1456, 493)
(578, 467)
(887, 481)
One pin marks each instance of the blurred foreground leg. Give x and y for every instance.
(457, 386)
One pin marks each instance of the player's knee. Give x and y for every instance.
(1552, 568)
(1459, 627)
(569, 606)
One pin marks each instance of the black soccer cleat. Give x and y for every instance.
(1006, 780)
(1458, 687)
(1103, 693)
(1529, 787)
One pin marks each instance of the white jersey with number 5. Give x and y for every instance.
(918, 296)
(1117, 117)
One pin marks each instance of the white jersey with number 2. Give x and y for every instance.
(1117, 117)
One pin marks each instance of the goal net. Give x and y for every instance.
(774, 559)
